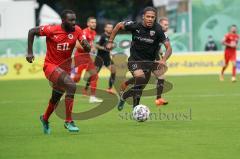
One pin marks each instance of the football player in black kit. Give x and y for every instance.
(104, 58)
(146, 37)
(160, 83)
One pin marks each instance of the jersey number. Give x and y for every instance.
(63, 46)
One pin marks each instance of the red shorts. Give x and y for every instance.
(53, 72)
(230, 56)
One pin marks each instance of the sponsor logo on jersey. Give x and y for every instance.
(146, 40)
(152, 32)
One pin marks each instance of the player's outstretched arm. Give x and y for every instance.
(119, 26)
(31, 34)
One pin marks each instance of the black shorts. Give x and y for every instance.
(101, 60)
(146, 66)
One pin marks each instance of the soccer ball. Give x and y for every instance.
(141, 113)
(3, 69)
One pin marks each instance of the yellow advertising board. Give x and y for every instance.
(196, 63)
(18, 68)
(15, 68)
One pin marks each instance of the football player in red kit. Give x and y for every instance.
(230, 55)
(60, 41)
(83, 60)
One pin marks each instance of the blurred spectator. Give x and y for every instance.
(210, 45)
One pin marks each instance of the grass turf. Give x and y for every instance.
(209, 131)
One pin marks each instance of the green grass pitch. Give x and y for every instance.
(209, 130)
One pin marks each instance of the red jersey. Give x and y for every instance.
(89, 35)
(231, 38)
(60, 43)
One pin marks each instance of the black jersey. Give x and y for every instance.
(102, 42)
(145, 41)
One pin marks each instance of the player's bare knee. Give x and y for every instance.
(113, 69)
(139, 73)
(158, 74)
(226, 65)
(160, 77)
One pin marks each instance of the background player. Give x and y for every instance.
(83, 60)
(160, 83)
(146, 36)
(103, 56)
(230, 40)
(60, 41)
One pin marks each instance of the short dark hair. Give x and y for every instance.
(65, 12)
(90, 18)
(150, 9)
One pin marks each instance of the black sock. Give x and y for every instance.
(111, 80)
(160, 84)
(137, 96)
(136, 102)
(56, 96)
(136, 89)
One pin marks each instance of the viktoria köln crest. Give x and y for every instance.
(70, 36)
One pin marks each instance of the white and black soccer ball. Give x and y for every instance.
(141, 113)
(3, 69)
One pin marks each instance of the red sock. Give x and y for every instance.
(48, 111)
(234, 71)
(69, 106)
(93, 84)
